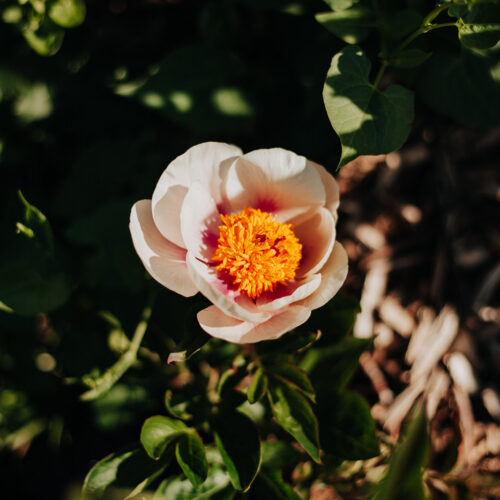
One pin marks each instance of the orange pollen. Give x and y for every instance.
(257, 251)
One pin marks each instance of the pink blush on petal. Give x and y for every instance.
(266, 205)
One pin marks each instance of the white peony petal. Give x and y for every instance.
(219, 325)
(202, 163)
(274, 180)
(284, 295)
(317, 235)
(200, 221)
(164, 261)
(331, 189)
(222, 294)
(333, 275)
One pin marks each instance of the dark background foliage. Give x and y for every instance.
(88, 131)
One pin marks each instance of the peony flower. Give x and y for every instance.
(254, 233)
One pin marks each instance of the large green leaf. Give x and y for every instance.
(294, 414)
(239, 445)
(330, 368)
(278, 454)
(404, 477)
(216, 487)
(258, 386)
(293, 375)
(465, 87)
(367, 120)
(31, 280)
(190, 454)
(351, 25)
(270, 486)
(347, 427)
(158, 432)
(46, 39)
(479, 28)
(121, 471)
(67, 13)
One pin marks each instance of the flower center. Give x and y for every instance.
(257, 251)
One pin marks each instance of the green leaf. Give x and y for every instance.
(330, 368)
(176, 410)
(338, 5)
(366, 120)
(278, 454)
(67, 13)
(194, 337)
(480, 27)
(351, 25)
(238, 442)
(258, 386)
(216, 487)
(158, 432)
(293, 375)
(123, 471)
(465, 87)
(347, 427)
(270, 486)
(404, 477)
(26, 289)
(289, 343)
(190, 454)
(294, 414)
(409, 58)
(199, 87)
(46, 40)
(36, 221)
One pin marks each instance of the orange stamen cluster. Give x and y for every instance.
(257, 251)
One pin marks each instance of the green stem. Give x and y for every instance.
(109, 378)
(425, 27)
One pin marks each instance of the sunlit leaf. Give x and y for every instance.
(158, 432)
(67, 13)
(351, 25)
(238, 442)
(367, 120)
(293, 375)
(258, 386)
(121, 471)
(294, 415)
(404, 478)
(190, 454)
(347, 429)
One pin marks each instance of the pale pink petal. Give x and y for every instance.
(288, 294)
(202, 163)
(219, 325)
(317, 236)
(276, 181)
(164, 261)
(333, 275)
(331, 189)
(221, 293)
(200, 221)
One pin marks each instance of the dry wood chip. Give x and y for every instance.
(370, 236)
(467, 427)
(443, 331)
(419, 337)
(491, 402)
(438, 385)
(402, 405)
(377, 377)
(371, 295)
(396, 316)
(461, 372)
